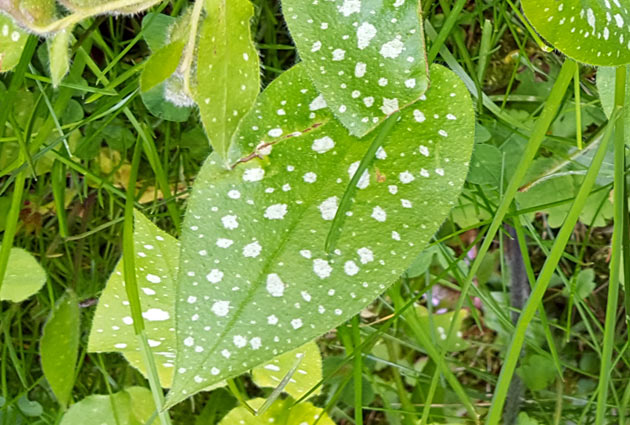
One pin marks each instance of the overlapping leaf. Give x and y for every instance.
(157, 258)
(24, 276)
(87, 5)
(255, 279)
(282, 412)
(12, 41)
(591, 31)
(306, 362)
(30, 13)
(366, 56)
(161, 83)
(228, 70)
(132, 406)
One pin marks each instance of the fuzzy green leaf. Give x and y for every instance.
(367, 57)
(59, 55)
(24, 277)
(282, 412)
(255, 278)
(156, 30)
(161, 83)
(157, 257)
(596, 32)
(228, 71)
(12, 41)
(90, 5)
(59, 347)
(30, 13)
(306, 376)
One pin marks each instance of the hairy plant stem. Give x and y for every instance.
(616, 247)
(185, 67)
(77, 16)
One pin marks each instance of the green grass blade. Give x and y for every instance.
(616, 247)
(518, 338)
(131, 287)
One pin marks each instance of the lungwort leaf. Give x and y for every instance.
(366, 56)
(255, 279)
(305, 363)
(596, 32)
(282, 412)
(12, 41)
(24, 277)
(157, 257)
(31, 14)
(59, 347)
(228, 71)
(133, 406)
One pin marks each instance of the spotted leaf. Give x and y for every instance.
(596, 32)
(228, 72)
(157, 255)
(32, 14)
(438, 325)
(307, 362)
(366, 56)
(255, 278)
(24, 276)
(12, 41)
(282, 412)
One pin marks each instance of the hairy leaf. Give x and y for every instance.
(282, 412)
(24, 277)
(161, 83)
(157, 257)
(30, 13)
(367, 65)
(228, 70)
(12, 41)
(255, 278)
(59, 347)
(59, 55)
(308, 373)
(156, 29)
(596, 32)
(90, 5)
